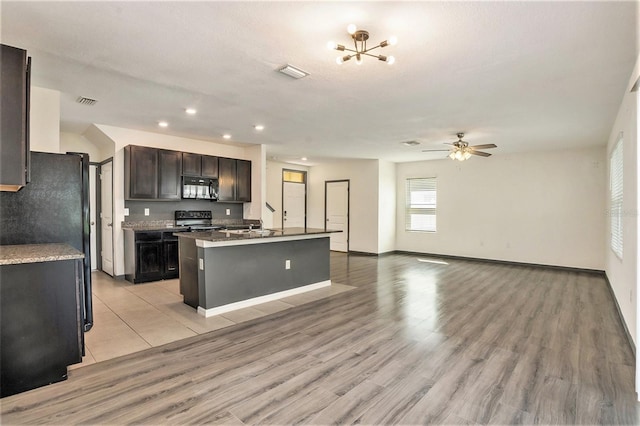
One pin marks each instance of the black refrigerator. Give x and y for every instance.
(53, 208)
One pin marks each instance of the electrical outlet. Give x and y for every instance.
(228, 212)
(287, 264)
(126, 211)
(201, 264)
(146, 212)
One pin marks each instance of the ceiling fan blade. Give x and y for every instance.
(486, 146)
(481, 154)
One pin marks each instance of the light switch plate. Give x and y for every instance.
(228, 212)
(287, 264)
(201, 264)
(126, 211)
(146, 212)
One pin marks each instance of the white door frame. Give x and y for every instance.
(99, 216)
(93, 208)
(327, 182)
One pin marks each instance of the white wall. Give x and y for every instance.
(72, 142)
(623, 273)
(44, 120)
(386, 207)
(274, 191)
(537, 207)
(363, 200)
(123, 137)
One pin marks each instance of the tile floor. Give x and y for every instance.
(129, 318)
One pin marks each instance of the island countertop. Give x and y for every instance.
(34, 253)
(224, 238)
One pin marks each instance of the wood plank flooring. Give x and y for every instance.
(415, 343)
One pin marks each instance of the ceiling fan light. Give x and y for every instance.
(452, 155)
(391, 60)
(459, 155)
(467, 155)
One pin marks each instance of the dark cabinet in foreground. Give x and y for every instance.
(150, 256)
(41, 325)
(14, 120)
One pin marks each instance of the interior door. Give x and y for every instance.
(92, 217)
(294, 205)
(106, 215)
(337, 213)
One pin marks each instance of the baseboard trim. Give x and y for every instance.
(620, 317)
(260, 299)
(505, 262)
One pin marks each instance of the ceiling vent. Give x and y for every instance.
(411, 143)
(86, 101)
(293, 72)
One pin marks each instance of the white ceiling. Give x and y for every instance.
(523, 75)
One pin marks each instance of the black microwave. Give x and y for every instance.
(199, 188)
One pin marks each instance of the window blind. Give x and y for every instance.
(420, 211)
(615, 183)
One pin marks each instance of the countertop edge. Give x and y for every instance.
(37, 253)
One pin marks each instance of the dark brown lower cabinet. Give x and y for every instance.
(150, 256)
(41, 327)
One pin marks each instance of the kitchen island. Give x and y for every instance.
(221, 271)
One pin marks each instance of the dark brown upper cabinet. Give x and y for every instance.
(169, 174)
(141, 173)
(209, 166)
(152, 174)
(15, 69)
(226, 179)
(234, 180)
(199, 165)
(191, 164)
(243, 180)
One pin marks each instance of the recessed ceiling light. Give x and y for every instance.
(226, 136)
(190, 111)
(163, 124)
(304, 158)
(258, 127)
(292, 71)
(411, 143)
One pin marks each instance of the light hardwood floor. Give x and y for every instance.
(415, 343)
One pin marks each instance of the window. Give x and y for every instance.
(615, 187)
(420, 212)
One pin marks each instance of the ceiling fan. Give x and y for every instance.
(461, 150)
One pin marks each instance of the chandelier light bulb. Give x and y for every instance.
(467, 155)
(391, 60)
(393, 40)
(332, 45)
(358, 60)
(339, 60)
(452, 155)
(459, 155)
(351, 29)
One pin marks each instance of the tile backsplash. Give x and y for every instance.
(164, 210)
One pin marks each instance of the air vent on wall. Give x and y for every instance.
(86, 101)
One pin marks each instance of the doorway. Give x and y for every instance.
(336, 213)
(106, 216)
(294, 199)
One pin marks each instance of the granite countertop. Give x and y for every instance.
(34, 253)
(169, 225)
(220, 236)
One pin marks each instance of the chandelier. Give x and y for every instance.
(360, 38)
